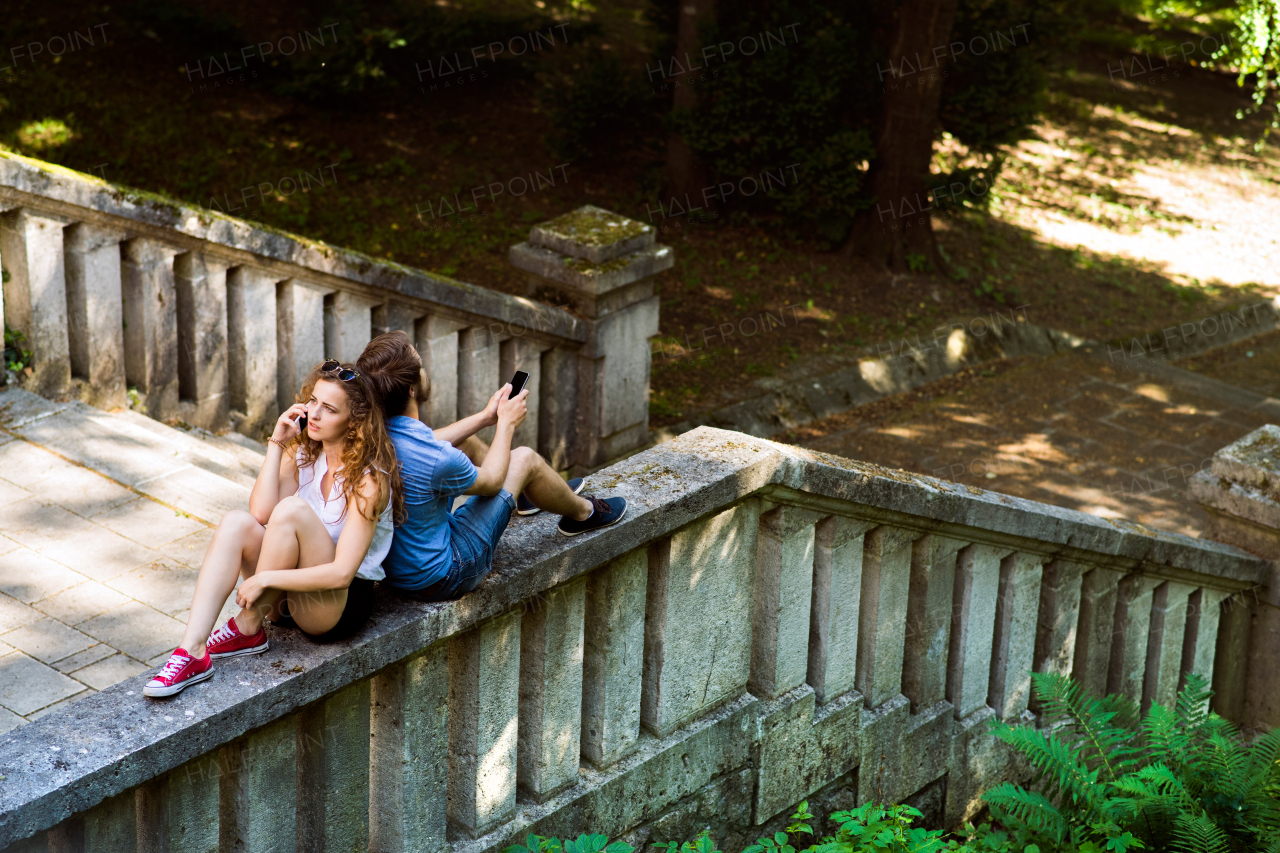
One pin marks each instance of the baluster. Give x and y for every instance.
(478, 372)
(484, 698)
(973, 628)
(1058, 620)
(299, 336)
(613, 658)
(258, 790)
(408, 754)
(697, 631)
(882, 620)
(251, 345)
(333, 771)
(201, 289)
(1128, 664)
(518, 354)
(837, 590)
(35, 296)
(558, 408)
(150, 307)
(930, 600)
(1092, 656)
(95, 313)
(551, 648)
(1204, 610)
(1165, 643)
(1231, 660)
(1013, 648)
(783, 600)
(437, 342)
(348, 325)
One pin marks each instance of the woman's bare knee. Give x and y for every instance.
(238, 523)
(289, 511)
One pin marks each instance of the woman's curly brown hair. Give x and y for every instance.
(366, 447)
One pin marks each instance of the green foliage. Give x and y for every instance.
(595, 104)
(15, 357)
(1176, 779)
(582, 844)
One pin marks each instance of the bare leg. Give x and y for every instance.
(233, 551)
(296, 538)
(530, 473)
(475, 449)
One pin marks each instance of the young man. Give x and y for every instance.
(436, 554)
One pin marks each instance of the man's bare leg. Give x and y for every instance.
(475, 450)
(530, 473)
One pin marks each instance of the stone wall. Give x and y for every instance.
(766, 623)
(216, 321)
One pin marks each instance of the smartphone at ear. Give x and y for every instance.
(517, 383)
(301, 421)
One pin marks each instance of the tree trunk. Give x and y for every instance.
(685, 175)
(898, 224)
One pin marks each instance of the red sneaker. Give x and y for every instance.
(178, 672)
(228, 642)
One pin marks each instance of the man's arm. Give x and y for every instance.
(459, 431)
(493, 470)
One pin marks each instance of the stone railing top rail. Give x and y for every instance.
(72, 759)
(58, 191)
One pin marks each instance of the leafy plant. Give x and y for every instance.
(1177, 779)
(15, 357)
(582, 844)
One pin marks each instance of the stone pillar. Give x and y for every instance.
(613, 659)
(479, 377)
(1165, 644)
(1013, 648)
(1231, 662)
(1128, 666)
(969, 658)
(519, 354)
(333, 771)
(348, 325)
(192, 793)
(1095, 630)
(603, 265)
(35, 295)
(1199, 644)
(299, 337)
(837, 593)
(484, 698)
(201, 289)
(1057, 621)
(408, 766)
(697, 629)
(151, 324)
(551, 650)
(882, 620)
(251, 344)
(95, 313)
(783, 601)
(929, 607)
(1238, 494)
(558, 409)
(437, 342)
(258, 790)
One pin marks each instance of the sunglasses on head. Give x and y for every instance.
(346, 374)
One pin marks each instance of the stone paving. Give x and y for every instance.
(1118, 440)
(95, 573)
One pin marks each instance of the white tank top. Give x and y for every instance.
(330, 512)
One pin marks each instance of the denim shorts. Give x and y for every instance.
(476, 525)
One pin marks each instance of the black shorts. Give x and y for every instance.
(354, 615)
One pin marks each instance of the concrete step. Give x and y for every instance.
(192, 470)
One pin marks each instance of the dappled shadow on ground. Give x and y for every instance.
(1072, 431)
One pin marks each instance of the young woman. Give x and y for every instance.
(312, 543)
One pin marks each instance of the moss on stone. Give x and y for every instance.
(582, 265)
(594, 226)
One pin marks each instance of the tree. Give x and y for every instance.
(685, 173)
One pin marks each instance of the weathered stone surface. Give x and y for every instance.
(126, 740)
(300, 342)
(201, 291)
(593, 233)
(1098, 590)
(613, 659)
(333, 772)
(783, 601)
(551, 652)
(882, 617)
(191, 822)
(479, 351)
(698, 618)
(437, 342)
(251, 345)
(95, 320)
(1014, 645)
(837, 592)
(585, 275)
(258, 790)
(150, 323)
(1165, 643)
(929, 612)
(484, 697)
(976, 590)
(35, 294)
(1251, 461)
(348, 325)
(1129, 640)
(408, 768)
(1204, 612)
(802, 748)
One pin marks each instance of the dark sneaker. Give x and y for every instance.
(178, 673)
(229, 642)
(524, 507)
(607, 511)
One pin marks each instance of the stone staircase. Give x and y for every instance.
(104, 519)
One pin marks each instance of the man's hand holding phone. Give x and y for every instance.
(512, 410)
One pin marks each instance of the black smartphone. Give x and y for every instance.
(517, 383)
(302, 422)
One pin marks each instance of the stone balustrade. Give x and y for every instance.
(765, 621)
(215, 321)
